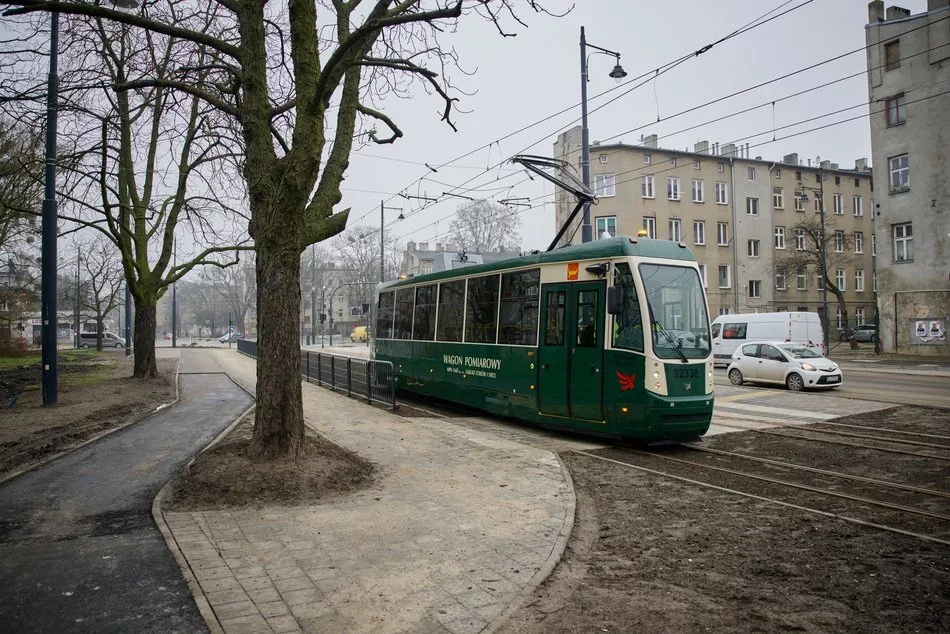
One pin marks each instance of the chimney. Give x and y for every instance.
(876, 11)
(438, 246)
(897, 13)
(933, 5)
(650, 141)
(729, 149)
(861, 164)
(410, 246)
(835, 166)
(790, 159)
(758, 158)
(715, 149)
(423, 246)
(826, 165)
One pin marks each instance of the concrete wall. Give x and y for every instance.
(927, 309)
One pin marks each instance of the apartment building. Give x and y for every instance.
(741, 217)
(419, 259)
(908, 69)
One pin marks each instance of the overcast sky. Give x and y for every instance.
(523, 79)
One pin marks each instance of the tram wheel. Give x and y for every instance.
(735, 376)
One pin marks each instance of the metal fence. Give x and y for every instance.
(363, 378)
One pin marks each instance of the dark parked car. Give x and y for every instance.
(864, 332)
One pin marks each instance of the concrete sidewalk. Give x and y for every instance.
(459, 527)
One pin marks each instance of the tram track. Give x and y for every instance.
(785, 484)
(774, 432)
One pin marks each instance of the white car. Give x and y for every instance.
(234, 336)
(790, 364)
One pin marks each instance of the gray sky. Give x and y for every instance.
(522, 79)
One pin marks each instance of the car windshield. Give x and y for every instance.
(677, 308)
(801, 352)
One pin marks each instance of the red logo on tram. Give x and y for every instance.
(626, 380)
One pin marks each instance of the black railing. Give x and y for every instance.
(363, 378)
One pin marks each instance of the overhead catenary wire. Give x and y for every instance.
(763, 19)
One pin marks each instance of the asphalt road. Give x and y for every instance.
(886, 387)
(79, 550)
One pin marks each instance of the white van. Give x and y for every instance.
(730, 331)
(109, 340)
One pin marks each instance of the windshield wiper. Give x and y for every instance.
(676, 346)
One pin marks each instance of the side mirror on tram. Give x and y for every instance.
(614, 299)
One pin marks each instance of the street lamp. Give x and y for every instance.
(823, 262)
(617, 73)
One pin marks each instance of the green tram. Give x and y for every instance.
(609, 337)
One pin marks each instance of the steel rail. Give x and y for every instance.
(799, 507)
(803, 487)
(868, 437)
(848, 444)
(893, 431)
(836, 474)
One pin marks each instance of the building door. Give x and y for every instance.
(570, 382)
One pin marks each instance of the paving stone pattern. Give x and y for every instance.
(459, 524)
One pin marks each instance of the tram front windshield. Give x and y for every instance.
(677, 308)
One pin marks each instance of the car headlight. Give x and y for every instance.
(808, 366)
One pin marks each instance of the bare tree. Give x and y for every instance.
(484, 226)
(830, 246)
(235, 287)
(300, 94)
(103, 272)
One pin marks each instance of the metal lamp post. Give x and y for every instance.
(76, 301)
(617, 73)
(50, 382)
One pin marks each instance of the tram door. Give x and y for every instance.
(570, 381)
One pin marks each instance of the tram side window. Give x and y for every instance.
(628, 326)
(423, 321)
(451, 310)
(555, 305)
(518, 320)
(384, 319)
(481, 310)
(733, 331)
(403, 323)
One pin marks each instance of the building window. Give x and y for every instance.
(647, 159)
(722, 197)
(673, 188)
(903, 242)
(780, 279)
(752, 206)
(892, 55)
(649, 223)
(699, 232)
(839, 319)
(817, 177)
(837, 201)
(817, 204)
(801, 281)
(858, 205)
(899, 167)
(673, 162)
(858, 242)
(696, 165)
(777, 173)
(702, 274)
(606, 227)
(839, 241)
(798, 176)
(799, 239)
(751, 173)
(722, 234)
(799, 200)
(676, 229)
(859, 280)
(604, 185)
(779, 237)
(837, 180)
(778, 198)
(647, 187)
(840, 279)
(859, 315)
(755, 289)
(873, 245)
(603, 159)
(720, 168)
(874, 281)
(753, 247)
(896, 110)
(723, 310)
(699, 194)
(725, 280)
(819, 281)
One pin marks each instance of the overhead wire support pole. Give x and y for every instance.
(48, 295)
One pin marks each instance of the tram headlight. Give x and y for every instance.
(656, 375)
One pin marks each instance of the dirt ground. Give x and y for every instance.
(652, 554)
(96, 393)
(225, 477)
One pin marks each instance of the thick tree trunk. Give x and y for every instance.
(278, 422)
(144, 343)
(98, 333)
